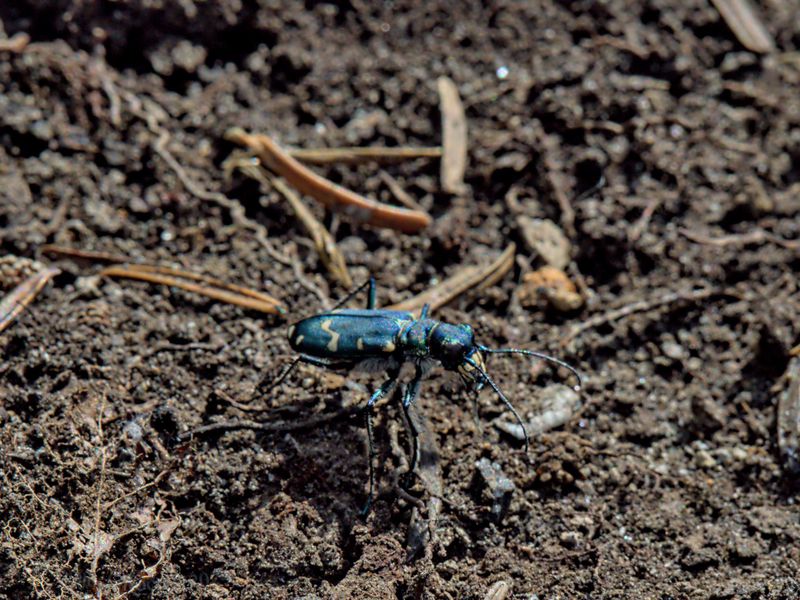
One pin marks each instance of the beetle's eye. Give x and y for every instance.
(454, 353)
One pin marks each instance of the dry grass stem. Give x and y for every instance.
(480, 277)
(402, 196)
(324, 242)
(454, 137)
(333, 196)
(357, 155)
(745, 25)
(18, 299)
(234, 294)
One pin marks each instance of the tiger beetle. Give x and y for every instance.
(382, 339)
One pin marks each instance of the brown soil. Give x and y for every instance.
(667, 484)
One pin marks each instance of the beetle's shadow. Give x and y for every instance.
(322, 466)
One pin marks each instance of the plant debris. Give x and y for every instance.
(551, 286)
(210, 288)
(324, 242)
(671, 479)
(327, 156)
(454, 137)
(745, 25)
(333, 196)
(18, 299)
(462, 281)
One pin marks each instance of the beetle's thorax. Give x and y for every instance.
(415, 337)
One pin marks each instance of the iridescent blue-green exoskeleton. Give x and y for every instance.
(388, 339)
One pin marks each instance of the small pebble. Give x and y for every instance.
(499, 486)
(545, 239)
(570, 539)
(673, 350)
(704, 460)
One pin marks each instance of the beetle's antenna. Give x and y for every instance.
(474, 397)
(502, 397)
(535, 354)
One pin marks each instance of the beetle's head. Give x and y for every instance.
(470, 369)
(450, 344)
(453, 345)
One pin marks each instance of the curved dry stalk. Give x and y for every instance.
(207, 279)
(18, 299)
(465, 279)
(745, 25)
(253, 300)
(664, 299)
(356, 155)
(325, 191)
(454, 137)
(324, 242)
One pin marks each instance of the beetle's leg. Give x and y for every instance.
(408, 399)
(371, 294)
(319, 361)
(473, 396)
(425, 310)
(376, 395)
(349, 296)
(265, 385)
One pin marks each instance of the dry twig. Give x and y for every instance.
(640, 226)
(18, 299)
(170, 272)
(325, 191)
(355, 155)
(402, 196)
(211, 281)
(745, 25)
(635, 307)
(789, 418)
(224, 292)
(90, 255)
(281, 426)
(324, 242)
(464, 280)
(454, 137)
(756, 236)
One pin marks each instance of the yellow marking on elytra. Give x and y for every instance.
(291, 332)
(389, 347)
(333, 345)
(360, 343)
(299, 340)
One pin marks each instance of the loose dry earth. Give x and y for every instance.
(668, 483)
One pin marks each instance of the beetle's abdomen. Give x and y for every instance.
(350, 333)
